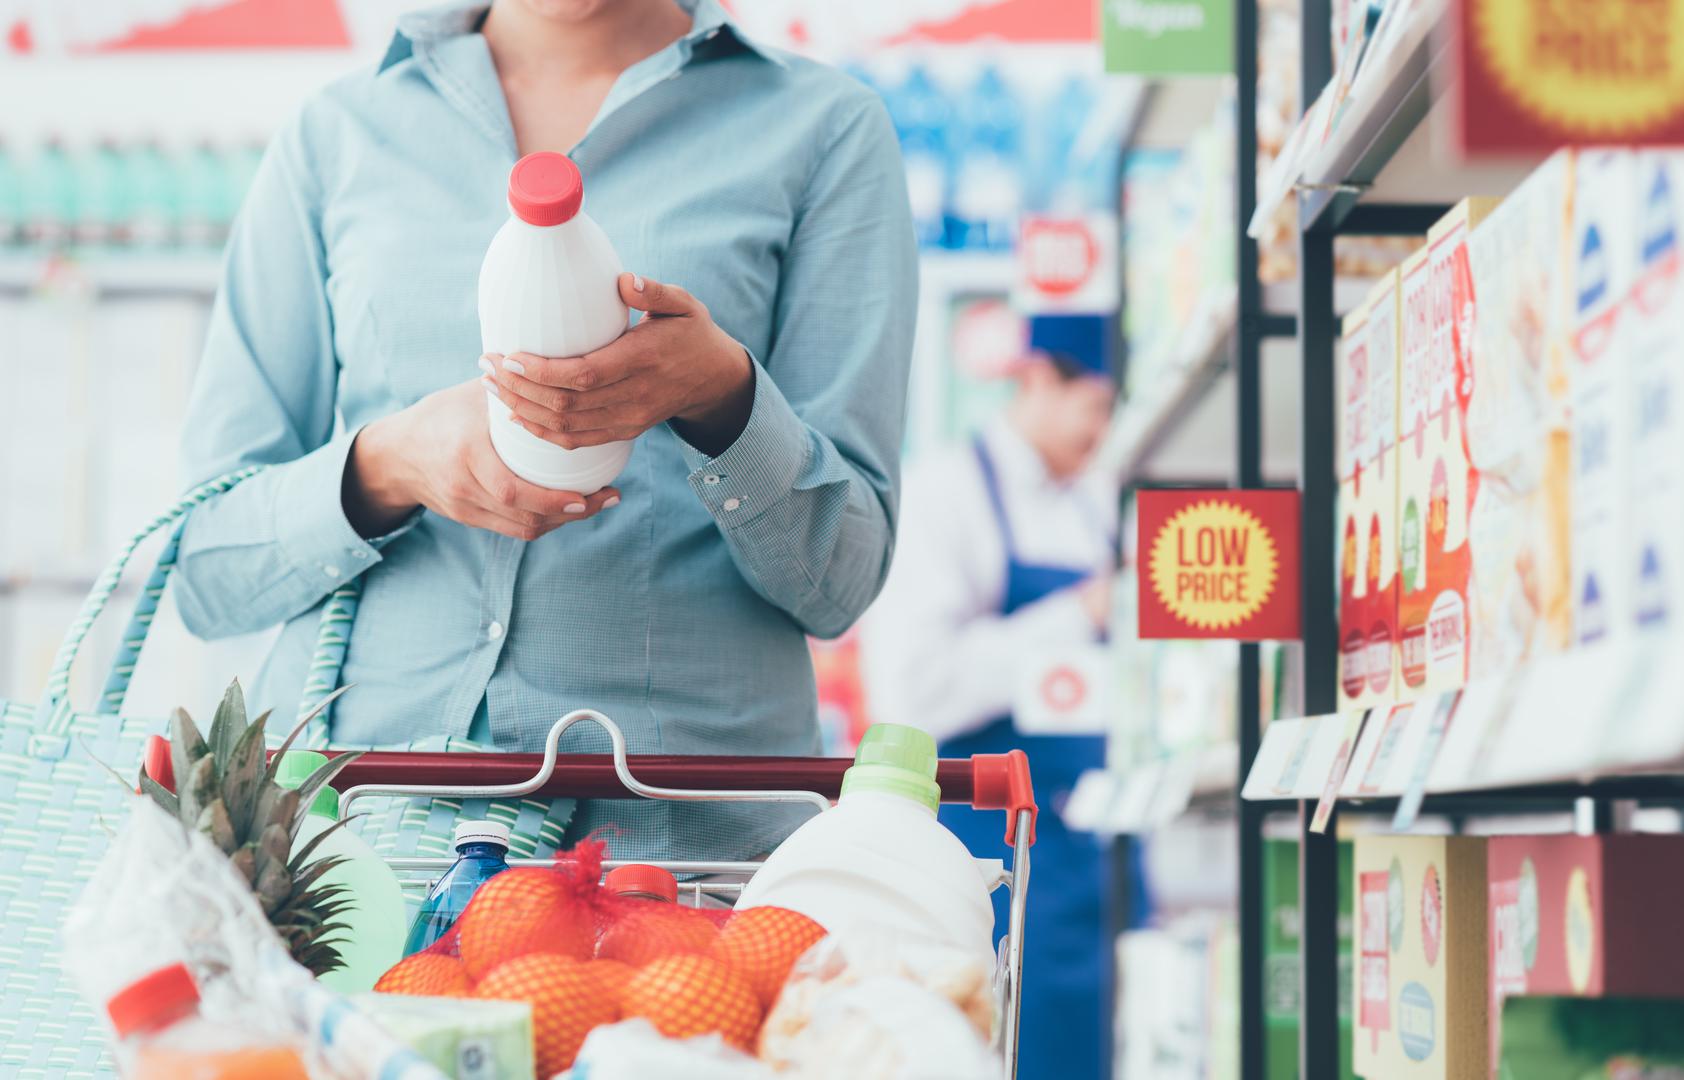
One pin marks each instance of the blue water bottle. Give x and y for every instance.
(921, 115)
(988, 182)
(482, 849)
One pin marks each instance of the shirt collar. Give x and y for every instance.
(433, 25)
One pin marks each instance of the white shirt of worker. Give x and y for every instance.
(935, 653)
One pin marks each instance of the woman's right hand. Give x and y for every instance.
(438, 454)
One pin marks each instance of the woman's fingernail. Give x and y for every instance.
(637, 282)
(612, 500)
(489, 383)
(485, 365)
(511, 364)
(573, 508)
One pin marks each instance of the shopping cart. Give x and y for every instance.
(985, 781)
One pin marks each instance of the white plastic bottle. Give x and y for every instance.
(880, 858)
(549, 287)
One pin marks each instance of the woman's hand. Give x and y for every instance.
(438, 454)
(676, 364)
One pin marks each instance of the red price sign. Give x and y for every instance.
(1059, 255)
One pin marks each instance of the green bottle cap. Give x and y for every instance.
(296, 767)
(898, 760)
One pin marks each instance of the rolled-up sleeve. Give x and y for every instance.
(279, 543)
(806, 497)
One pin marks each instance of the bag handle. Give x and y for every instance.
(53, 716)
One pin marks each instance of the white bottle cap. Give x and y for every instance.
(481, 832)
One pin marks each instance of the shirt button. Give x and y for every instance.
(358, 553)
(330, 570)
(732, 504)
(711, 478)
(494, 631)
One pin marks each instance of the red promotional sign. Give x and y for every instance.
(1538, 74)
(1219, 564)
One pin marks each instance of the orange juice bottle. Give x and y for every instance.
(161, 1036)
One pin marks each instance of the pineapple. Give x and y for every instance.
(225, 791)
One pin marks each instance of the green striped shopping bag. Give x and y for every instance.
(58, 807)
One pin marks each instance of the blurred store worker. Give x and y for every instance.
(1005, 552)
(760, 199)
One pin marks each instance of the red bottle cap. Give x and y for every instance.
(644, 881)
(155, 1001)
(545, 188)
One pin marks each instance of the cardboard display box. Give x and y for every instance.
(1564, 1038)
(1368, 501)
(1518, 436)
(1584, 915)
(1419, 991)
(1435, 478)
(1281, 991)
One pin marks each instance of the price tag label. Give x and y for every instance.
(1065, 692)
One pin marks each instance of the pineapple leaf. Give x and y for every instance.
(241, 775)
(319, 958)
(304, 855)
(214, 823)
(228, 724)
(321, 778)
(187, 746)
(161, 795)
(273, 886)
(305, 879)
(273, 844)
(303, 722)
(196, 789)
(245, 861)
(276, 806)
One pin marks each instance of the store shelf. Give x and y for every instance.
(956, 273)
(110, 274)
(1153, 794)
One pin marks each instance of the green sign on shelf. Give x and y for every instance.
(1167, 37)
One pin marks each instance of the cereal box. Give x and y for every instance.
(1368, 501)
(1604, 263)
(1654, 350)
(1583, 915)
(1419, 991)
(1518, 437)
(1435, 479)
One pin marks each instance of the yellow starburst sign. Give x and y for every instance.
(1219, 564)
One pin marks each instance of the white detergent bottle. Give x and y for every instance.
(880, 858)
(549, 287)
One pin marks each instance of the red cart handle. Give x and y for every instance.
(986, 781)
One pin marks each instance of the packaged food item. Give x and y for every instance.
(1435, 479)
(880, 858)
(1283, 925)
(482, 849)
(1517, 424)
(1583, 915)
(161, 1036)
(1368, 653)
(1654, 349)
(1604, 264)
(374, 918)
(549, 286)
(1420, 984)
(464, 1038)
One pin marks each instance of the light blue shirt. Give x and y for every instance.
(771, 188)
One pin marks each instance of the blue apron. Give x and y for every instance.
(1066, 1020)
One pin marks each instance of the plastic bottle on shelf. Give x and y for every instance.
(103, 202)
(921, 115)
(988, 183)
(550, 286)
(640, 882)
(880, 858)
(375, 919)
(162, 1036)
(11, 199)
(155, 189)
(1056, 178)
(49, 196)
(207, 204)
(482, 849)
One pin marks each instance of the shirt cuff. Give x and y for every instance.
(760, 468)
(315, 536)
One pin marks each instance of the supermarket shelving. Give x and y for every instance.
(191, 274)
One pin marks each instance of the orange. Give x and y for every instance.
(761, 944)
(656, 929)
(611, 976)
(685, 996)
(567, 1002)
(522, 911)
(426, 974)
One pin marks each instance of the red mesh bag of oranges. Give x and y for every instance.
(584, 951)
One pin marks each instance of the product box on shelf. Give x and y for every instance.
(1583, 915)
(1368, 500)
(1518, 437)
(1604, 265)
(1435, 479)
(1281, 992)
(1420, 989)
(1568, 1038)
(1654, 351)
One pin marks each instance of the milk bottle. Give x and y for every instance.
(548, 287)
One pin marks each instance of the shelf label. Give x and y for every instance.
(1219, 564)
(1167, 37)
(1067, 265)
(1537, 74)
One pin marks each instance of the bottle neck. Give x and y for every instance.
(887, 798)
(482, 850)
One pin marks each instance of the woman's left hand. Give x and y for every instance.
(675, 365)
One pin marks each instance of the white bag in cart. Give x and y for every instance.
(634, 1050)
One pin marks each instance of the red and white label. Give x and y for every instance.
(1067, 265)
(1374, 974)
(1432, 915)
